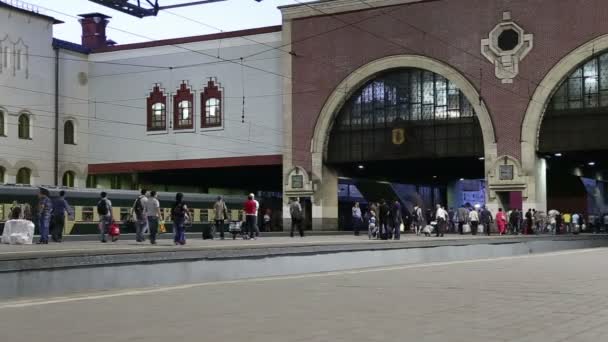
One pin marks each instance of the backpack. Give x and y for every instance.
(102, 207)
(138, 207)
(178, 212)
(296, 212)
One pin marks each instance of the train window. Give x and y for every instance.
(2, 217)
(87, 214)
(206, 215)
(192, 216)
(124, 214)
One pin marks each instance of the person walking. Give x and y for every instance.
(501, 222)
(297, 216)
(384, 224)
(397, 218)
(153, 215)
(463, 217)
(529, 222)
(104, 210)
(138, 212)
(221, 214)
(442, 218)
(372, 225)
(418, 220)
(474, 219)
(60, 208)
(268, 220)
(257, 209)
(514, 221)
(179, 215)
(357, 218)
(486, 220)
(250, 216)
(45, 210)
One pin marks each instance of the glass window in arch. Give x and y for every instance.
(185, 114)
(24, 176)
(68, 179)
(213, 112)
(24, 126)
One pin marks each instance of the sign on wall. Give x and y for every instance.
(505, 172)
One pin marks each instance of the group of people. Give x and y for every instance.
(386, 221)
(146, 215)
(51, 215)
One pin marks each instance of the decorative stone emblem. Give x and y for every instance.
(398, 137)
(506, 46)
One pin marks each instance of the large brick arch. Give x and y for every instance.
(357, 78)
(530, 129)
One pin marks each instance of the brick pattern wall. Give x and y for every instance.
(322, 62)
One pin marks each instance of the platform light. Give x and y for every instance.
(361, 167)
(482, 158)
(434, 177)
(558, 154)
(461, 179)
(591, 163)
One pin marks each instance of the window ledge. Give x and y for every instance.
(156, 132)
(212, 128)
(26, 138)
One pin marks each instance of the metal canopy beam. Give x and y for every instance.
(136, 9)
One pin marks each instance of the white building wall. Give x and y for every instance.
(74, 105)
(118, 123)
(29, 90)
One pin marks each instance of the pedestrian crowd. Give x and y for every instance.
(387, 221)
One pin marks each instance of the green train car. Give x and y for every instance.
(84, 203)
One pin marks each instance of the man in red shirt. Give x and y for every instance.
(251, 209)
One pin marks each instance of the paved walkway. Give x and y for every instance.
(536, 298)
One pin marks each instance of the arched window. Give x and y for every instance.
(2, 118)
(24, 126)
(2, 172)
(68, 133)
(183, 103)
(156, 106)
(24, 176)
(211, 97)
(68, 179)
(185, 113)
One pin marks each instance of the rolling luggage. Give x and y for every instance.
(235, 228)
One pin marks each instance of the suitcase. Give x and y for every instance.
(208, 231)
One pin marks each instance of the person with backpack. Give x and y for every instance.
(221, 214)
(179, 215)
(104, 210)
(60, 208)
(138, 212)
(295, 211)
(45, 210)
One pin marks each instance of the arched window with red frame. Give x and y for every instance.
(157, 109)
(211, 100)
(183, 108)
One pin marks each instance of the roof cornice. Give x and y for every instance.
(327, 7)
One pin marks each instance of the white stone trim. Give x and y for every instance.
(312, 9)
(286, 69)
(357, 78)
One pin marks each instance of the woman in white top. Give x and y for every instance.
(474, 219)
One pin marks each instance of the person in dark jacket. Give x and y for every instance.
(486, 220)
(384, 216)
(514, 221)
(529, 220)
(60, 208)
(397, 219)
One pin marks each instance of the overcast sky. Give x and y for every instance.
(229, 15)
